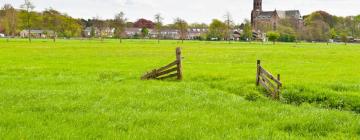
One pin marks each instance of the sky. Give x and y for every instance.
(199, 11)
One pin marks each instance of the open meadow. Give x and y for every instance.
(88, 89)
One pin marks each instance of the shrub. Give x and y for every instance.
(252, 96)
(287, 38)
(273, 36)
(323, 97)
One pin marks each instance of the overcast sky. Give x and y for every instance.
(190, 10)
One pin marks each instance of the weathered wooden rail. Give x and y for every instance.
(174, 69)
(268, 81)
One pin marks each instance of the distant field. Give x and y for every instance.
(81, 89)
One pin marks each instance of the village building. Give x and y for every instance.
(196, 33)
(263, 21)
(107, 32)
(36, 33)
(192, 34)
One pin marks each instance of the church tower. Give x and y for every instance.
(257, 9)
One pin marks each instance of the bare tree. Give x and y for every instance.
(120, 24)
(9, 21)
(182, 26)
(99, 27)
(28, 7)
(158, 25)
(52, 21)
(229, 26)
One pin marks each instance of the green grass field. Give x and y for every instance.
(82, 89)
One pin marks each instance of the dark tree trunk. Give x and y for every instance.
(29, 36)
(54, 37)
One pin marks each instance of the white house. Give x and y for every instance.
(36, 33)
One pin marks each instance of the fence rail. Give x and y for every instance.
(174, 69)
(268, 81)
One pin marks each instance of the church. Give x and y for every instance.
(263, 21)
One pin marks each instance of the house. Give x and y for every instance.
(193, 33)
(87, 32)
(106, 32)
(357, 40)
(170, 34)
(196, 33)
(269, 20)
(132, 32)
(36, 33)
(237, 34)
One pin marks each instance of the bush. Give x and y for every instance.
(273, 36)
(252, 96)
(287, 38)
(323, 97)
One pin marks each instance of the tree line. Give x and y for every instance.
(318, 26)
(57, 24)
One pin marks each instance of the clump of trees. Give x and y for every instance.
(216, 30)
(15, 20)
(321, 26)
(9, 20)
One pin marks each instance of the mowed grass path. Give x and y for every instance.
(83, 89)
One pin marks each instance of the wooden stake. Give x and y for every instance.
(278, 87)
(258, 72)
(179, 64)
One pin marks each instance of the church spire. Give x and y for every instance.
(257, 5)
(257, 9)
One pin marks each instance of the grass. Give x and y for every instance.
(87, 89)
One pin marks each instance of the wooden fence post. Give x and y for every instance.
(257, 72)
(278, 87)
(179, 63)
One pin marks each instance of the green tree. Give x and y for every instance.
(144, 32)
(287, 34)
(317, 31)
(248, 34)
(52, 21)
(273, 36)
(9, 20)
(332, 34)
(69, 27)
(344, 37)
(216, 29)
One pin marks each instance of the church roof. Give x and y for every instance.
(293, 13)
(282, 14)
(289, 14)
(265, 14)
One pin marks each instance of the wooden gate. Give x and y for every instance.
(174, 69)
(268, 81)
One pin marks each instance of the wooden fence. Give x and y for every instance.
(268, 81)
(174, 69)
